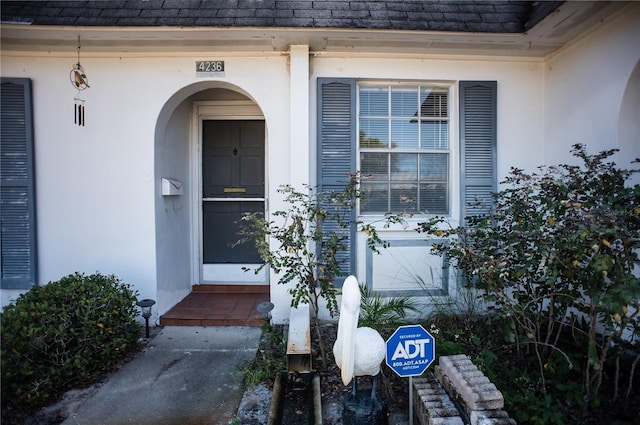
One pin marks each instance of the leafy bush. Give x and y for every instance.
(558, 261)
(64, 334)
(308, 241)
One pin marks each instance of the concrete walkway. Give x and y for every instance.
(185, 375)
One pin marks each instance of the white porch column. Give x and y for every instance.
(299, 115)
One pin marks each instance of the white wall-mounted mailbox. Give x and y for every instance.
(171, 187)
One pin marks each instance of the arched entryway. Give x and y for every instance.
(206, 134)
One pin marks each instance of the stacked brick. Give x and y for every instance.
(432, 404)
(460, 393)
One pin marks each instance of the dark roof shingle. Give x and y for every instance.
(461, 15)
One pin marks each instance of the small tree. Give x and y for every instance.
(558, 257)
(311, 239)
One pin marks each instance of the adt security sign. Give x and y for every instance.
(410, 350)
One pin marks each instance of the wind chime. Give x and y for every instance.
(80, 81)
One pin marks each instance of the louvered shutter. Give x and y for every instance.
(17, 194)
(478, 101)
(337, 152)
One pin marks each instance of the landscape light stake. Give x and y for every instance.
(265, 308)
(145, 306)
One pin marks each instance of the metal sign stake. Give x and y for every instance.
(411, 400)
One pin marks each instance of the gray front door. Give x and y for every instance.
(232, 184)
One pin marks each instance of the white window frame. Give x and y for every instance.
(451, 151)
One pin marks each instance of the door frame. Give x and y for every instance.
(217, 110)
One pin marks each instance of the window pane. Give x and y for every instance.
(375, 165)
(433, 198)
(404, 166)
(374, 133)
(404, 102)
(404, 134)
(404, 197)
(375, 198)
(434, 135)
(434, 167)
(374, 101)
(433, 104)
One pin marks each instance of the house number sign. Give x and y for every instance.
(209, 68)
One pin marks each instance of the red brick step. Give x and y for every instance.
(218, 305)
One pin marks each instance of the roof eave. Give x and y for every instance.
(558, 28)
(18, 37)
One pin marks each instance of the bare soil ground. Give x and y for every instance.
(296, 409)
(392, 388)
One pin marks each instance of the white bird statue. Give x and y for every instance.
(358, 351)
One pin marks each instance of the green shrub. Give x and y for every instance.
(377, 311)
(558, 261)
(65, 334)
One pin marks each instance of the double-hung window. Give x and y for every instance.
(399, 137)
(403, 146)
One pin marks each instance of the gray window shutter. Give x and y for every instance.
(337, 152)
(17, 191)
(478, 100)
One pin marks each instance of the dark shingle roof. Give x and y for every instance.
(462, 15)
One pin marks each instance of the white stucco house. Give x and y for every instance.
(198, 110)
